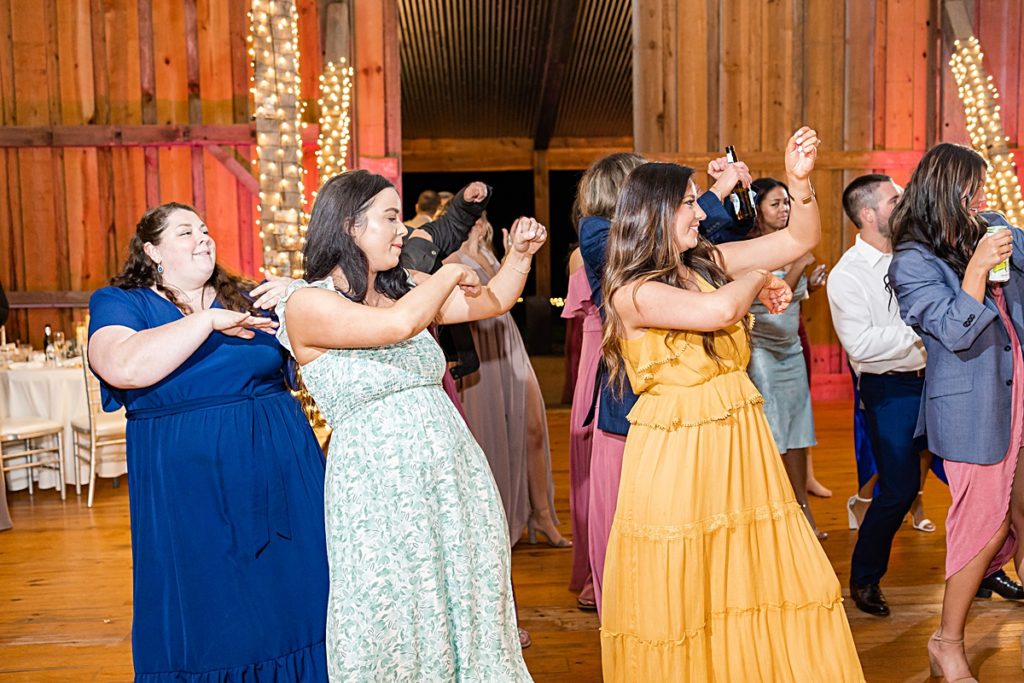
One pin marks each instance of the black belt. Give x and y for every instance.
(899, 373)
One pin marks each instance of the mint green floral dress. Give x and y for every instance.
(417, 542)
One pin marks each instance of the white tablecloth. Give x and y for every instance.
(57, 394)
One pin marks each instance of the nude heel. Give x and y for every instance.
(936, 668)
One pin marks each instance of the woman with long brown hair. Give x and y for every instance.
(712, 573)
(225, 475)
(973, 406)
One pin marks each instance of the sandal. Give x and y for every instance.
(853, 520)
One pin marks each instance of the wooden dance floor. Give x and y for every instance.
(66, 601)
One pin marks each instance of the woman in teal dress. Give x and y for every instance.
(417, 541)
(225, 475)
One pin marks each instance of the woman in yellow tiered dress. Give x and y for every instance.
(712, 571)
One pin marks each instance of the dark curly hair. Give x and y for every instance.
(338, 212)
(140, 272)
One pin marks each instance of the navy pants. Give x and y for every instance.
(891, 405)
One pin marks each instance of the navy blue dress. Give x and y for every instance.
(226, 496)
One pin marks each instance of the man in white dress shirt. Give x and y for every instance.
(888, 358)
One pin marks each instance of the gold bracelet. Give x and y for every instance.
(809, 198)
(522, 272)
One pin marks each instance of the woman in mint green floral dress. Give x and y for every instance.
(417, 541)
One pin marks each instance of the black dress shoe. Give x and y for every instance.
(1002, 584)
(869, 599)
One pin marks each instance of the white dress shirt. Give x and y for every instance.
(866, 315)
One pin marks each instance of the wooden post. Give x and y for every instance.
(377, 139)
(249, 247)
(195, 104)
(655, 65)
(147, 79)
(542, 212)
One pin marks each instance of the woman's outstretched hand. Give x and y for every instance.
(801, 153)
(270, 292)
(238, 324)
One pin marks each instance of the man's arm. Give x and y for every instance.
(719, 226)
(450, 230)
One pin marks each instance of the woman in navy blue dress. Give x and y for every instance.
(225, 475)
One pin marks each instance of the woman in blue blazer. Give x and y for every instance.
(973, 407)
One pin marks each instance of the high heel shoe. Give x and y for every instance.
(936, 668)
(531, 536)
(853, 522)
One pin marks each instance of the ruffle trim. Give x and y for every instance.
(682, 347)
(690, 634)
(307, 664)
(677, 422)
(725, 520)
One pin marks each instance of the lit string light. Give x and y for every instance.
(984, 124)
(335, 122)
(274, 49)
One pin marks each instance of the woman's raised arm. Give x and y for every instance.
(784, 246)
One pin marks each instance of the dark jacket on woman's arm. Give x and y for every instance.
(447, 234)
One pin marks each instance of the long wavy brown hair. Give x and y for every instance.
(139, 271)
(933, 209)
(641, 249)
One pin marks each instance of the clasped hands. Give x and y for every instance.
(775, 294)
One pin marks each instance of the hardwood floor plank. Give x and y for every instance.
(65, 584)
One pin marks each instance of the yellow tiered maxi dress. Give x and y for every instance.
(712, 572)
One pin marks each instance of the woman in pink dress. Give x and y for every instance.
(973, 409)
(573, 335)
(583, 312)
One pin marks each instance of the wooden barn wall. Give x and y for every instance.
(869, 75)
(67, 214)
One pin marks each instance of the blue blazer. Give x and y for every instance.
(969, 373)
(593, 242)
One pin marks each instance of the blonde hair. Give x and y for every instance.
(487, 241)
(598, 189)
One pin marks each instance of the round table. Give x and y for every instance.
(56, 393)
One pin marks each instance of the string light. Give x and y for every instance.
(278, 106)
(979, 96)
(335, 123)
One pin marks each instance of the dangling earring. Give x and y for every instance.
(159, 268)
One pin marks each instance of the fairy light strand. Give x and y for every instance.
(335, 122)
(275, 86)
(979, 97)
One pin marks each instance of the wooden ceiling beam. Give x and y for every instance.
(155, 135)
(559, 48)
(442, 155)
